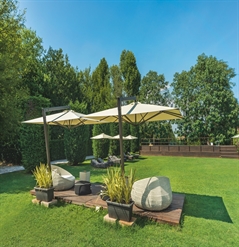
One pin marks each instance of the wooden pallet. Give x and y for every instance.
(171, 215)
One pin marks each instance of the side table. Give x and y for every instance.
(82, 188)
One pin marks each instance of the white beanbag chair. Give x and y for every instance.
(62, 179)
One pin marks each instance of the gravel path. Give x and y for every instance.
(7, 169)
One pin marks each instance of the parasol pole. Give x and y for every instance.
(46, 132)
(119, 100)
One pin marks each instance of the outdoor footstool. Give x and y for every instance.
(82, 188)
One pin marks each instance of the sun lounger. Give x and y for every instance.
(114, 159)
(99, 163)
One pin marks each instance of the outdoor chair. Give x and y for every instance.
(114, 159)
(129, 156)
(62, 179)
(135, 156)
(99, 163)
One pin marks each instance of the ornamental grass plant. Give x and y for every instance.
(43, 176)
(118, 187)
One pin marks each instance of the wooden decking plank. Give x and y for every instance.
(170, 215)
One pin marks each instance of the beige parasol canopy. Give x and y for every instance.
(101, 136)
(130, 137)
(117, 137)
(137, 113)
(67, 118)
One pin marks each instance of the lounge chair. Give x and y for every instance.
(135, 156)
(62, 179)
(99, 163)
(114, 159)
(129, 156)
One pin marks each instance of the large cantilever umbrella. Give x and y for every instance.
(135, 113)
(67, 118)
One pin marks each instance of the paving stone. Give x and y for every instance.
(49, 204)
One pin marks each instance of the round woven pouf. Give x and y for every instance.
(152, 193)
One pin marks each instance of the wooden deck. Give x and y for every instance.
(171, 215)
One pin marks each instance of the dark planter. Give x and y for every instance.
(82, 188)
(120, 211)
(43, 194)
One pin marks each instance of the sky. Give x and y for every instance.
(165, 36)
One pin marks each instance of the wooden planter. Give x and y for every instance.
(43, 194)
(120, 211)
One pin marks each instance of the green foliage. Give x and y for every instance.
(117, 82)
(117, 186)
(154, 89)
(43, 176)
(130, 72)
(100, 147)
(33, 72)
(60, 78)
(32, 146)
(126, 131)
(205, 97)
(10, 153)
(84, 79)
(11, 64)
(57, 149)
(101, 87)
(75, 142)
(158, 130)
(134, 144)
(32, 140)
(114, 148)
(76, 139)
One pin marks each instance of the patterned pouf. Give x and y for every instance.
(152, 193)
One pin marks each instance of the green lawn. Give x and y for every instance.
(210, 213)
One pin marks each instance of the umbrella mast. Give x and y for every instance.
(46, 133)
(119, 100)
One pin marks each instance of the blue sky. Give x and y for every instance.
(165, 36)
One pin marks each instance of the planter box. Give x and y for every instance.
(43, 194)
(120, 211)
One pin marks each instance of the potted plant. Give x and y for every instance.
(118, 190)
(44, 185)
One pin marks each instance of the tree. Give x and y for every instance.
(204, 94)
(12, 90)
(117, 82)
(32, 139)
(100, 101)
(101, 147)
(84, 79)
(130, 73)
(76, 139)
(60, 78)
(33, 72)
(132, 80)
(101, 87)
(154, 90)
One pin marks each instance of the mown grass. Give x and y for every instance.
(210, 213)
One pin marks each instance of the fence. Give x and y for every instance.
(182, 141)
